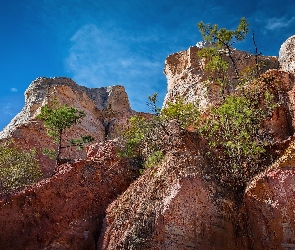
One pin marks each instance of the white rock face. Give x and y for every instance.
(187, 78)
(99, 122)
(287, 55)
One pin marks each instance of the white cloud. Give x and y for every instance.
(99, 58)
(9, 109)
(278, 23)
(13, 89)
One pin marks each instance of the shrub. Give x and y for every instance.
(18, 167)
(148, 138)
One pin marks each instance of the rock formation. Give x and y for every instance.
(186, 76)
(287, 55)
(268, 210)
(171, 207)
(66, 211)
(176, 206)
(105, 108)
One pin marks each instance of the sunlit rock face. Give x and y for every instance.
(99, 122)
(171, 207)
(268, 210)
(187, 78)
(287, 55)
(66, 210)
(267, 213)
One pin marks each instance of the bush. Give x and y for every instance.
(18, 167)
(147, 139)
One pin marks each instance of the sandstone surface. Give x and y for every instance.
(171, 207)
(268, 210)
(105, 109)
(65, 211)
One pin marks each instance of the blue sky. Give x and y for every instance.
(101, 43)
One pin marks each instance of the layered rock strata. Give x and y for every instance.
(105, 109)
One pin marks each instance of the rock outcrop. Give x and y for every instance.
(186, 76)
(66, 211)
(170, 208)
(287, 55)
(174, 205)
(105, 109)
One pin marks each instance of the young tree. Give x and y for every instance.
(223, 39)
(57, 118)
(18, 167)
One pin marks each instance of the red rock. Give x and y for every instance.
(171, 207)
(269, 210)
(66, 210)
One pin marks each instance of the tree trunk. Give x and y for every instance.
(58, 147)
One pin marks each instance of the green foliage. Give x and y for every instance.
(18, 167)
(147, 138)
(154, 159)
(222, 41)
(223, 37)
(81, 141)
(52, 154)
(152, 104)
(57, 118)
(185, 114)
(134, 135)
(234, 126)
(215, 66)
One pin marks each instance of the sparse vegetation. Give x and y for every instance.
(18, 167)
(148, 138)
(222, 40)
(232, 129)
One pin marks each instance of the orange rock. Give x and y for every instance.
(269, 210)
(66, 210)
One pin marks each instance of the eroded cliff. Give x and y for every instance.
(29, 132)
(176, 205)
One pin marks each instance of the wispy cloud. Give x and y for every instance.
(13, 89)
(278, 23)
(99, 58)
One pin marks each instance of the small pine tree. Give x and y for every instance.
(57, 118)
(224, 39)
